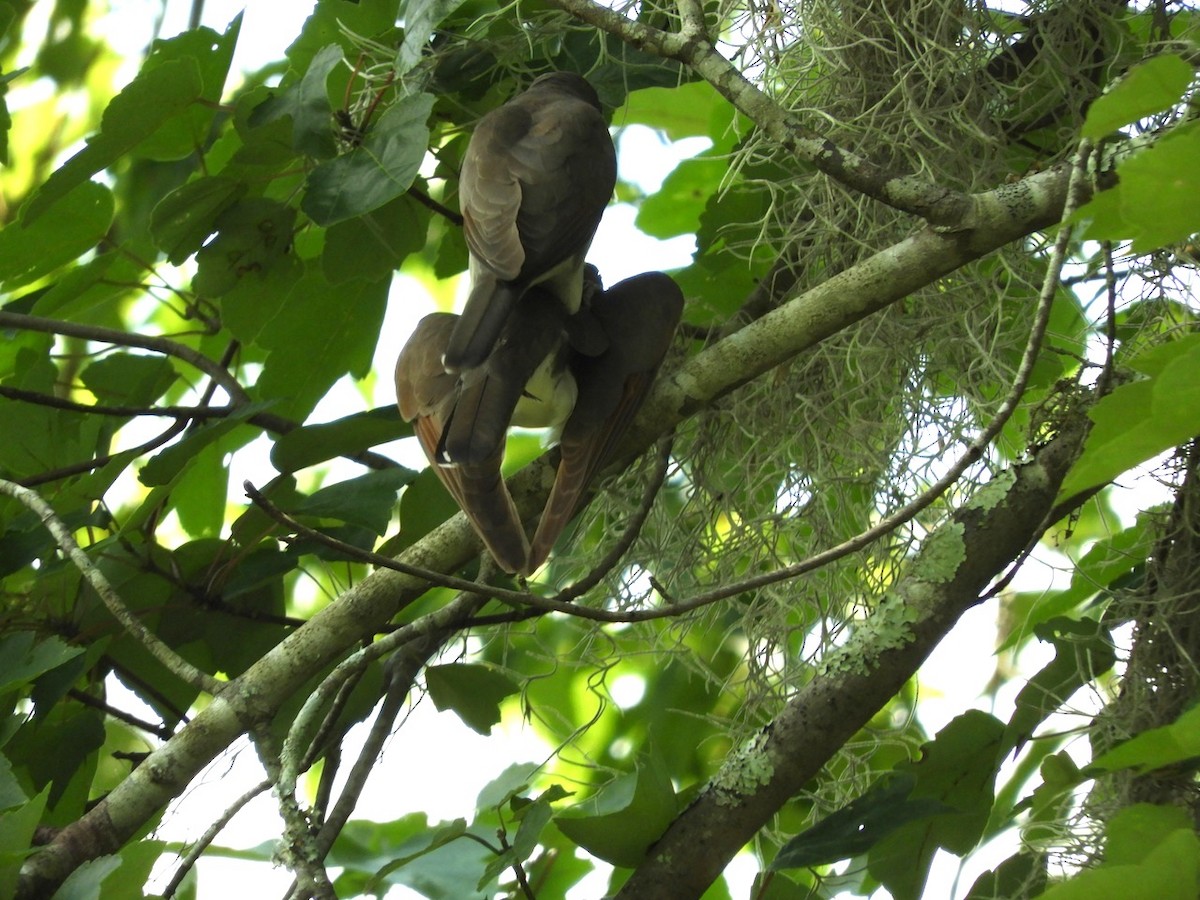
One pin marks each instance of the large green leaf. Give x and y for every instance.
(1139, 420)
(185, 134)
(625, 817)
(131, 118)
(314, 444)
(306, 103)
(1148, 88)
(183, 220)
(1083, 651)
(23, 657)
(857, 827)
(372, 246)
(1151, 852)
(474, 692)
(73, 224)
(1151, 203)
(379, 170)
(1157, 747)
(324, 332)
(368, 500)
(958, 768)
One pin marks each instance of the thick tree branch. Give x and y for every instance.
(884, 278)
(859, 678)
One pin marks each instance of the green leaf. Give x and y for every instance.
(1151, 202)
(23, 658)
(11, 794)
(170, 463)
(1102, 568)
(127, 379)
(258, 297)
(5, 116)
(368, 500)
(16, 840)
(131, 117)
(473, 692)
(1157, 747)
(307, 104)
(421, 19)
(677, 206)
(378, 171)
(253, 236)
(200, 498)
(183, 220)
(324, 333)
(858, 826)
(1019, 875)
(372, 246)
(314, 444)
(958, 768)
(182, 135)
(688, 110)
(1168, 866)
(1150, 87)
(86, 882)
(332, 21)
(1139, 420)
(625, 817)
(72, 225)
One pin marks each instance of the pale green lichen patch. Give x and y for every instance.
(993, 493)
(744, 772)
(888, 628)
(941, 555)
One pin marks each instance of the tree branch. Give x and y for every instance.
(214, 370)
(858, 679)
(172, 661)
(938, 205)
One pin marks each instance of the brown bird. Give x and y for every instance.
(461, 421)
(537, 175)
(638, 318)
(586, 374)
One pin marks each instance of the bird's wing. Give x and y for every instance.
(426, 395)
(537, 175)
(489, 394)
(639, 317)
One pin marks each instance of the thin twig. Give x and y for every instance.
(97, 409)
(1078, 191)
(174, 663)
(89, 465)
(210, 834)
(220, 375)
(162, 345)
(632, 529)
(161, 732)
(444, 211)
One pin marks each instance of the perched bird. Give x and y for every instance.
(638, 318)
(537, 175)
(585, 374)
(462, 420)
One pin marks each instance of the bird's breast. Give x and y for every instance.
(549, 396)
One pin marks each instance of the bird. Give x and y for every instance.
(536, 177)
(462, 420)
(584, 376)
(638, 318)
